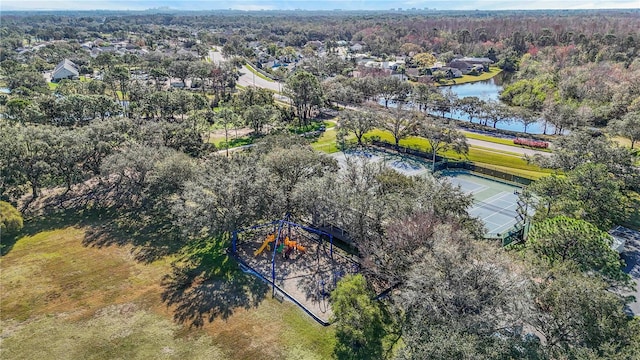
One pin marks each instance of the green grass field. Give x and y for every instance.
(62, 299)
(493, 71)
(497, 140)
(326, 142)
(511, 163)
(241, 141)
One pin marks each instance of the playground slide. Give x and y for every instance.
(271, 238)
(294, 244)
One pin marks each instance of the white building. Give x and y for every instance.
(66, 69)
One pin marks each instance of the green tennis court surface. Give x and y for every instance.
(495, 202)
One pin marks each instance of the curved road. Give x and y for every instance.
(248, 78)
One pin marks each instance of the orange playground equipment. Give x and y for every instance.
(296, 260)
(287, 245)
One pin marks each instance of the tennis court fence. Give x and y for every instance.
(445, 164)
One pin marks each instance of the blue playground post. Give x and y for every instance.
(273, 258)
(234, 239)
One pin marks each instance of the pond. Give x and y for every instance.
(490, 90)
(5, 90)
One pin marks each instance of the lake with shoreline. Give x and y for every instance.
(490, 90)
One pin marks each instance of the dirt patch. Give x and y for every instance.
(233, 134)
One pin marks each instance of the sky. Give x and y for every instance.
(314, 4)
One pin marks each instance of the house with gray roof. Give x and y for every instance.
(66, 69)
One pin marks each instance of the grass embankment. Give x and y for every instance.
(493, 71)
(221, 144)
(326, 142)
(257, 73)
(62, 299)
(511, 163)
(497, 140)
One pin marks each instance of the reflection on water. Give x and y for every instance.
(490, 90)
(485, 90)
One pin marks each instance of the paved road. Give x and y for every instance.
(502, 147)
(216, 56)
(247, 78)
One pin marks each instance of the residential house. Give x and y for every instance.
(463, 66)
(485, 62)
(451, 73)
(356, 47)
(66, 69)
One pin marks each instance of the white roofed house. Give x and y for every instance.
(66, 69)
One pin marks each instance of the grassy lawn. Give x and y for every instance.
(509, 162)
(258, 74)
(622, 141)
(62, 299)
(52, 86)
(312, 126)
(493, 71)
(241, 141)
(326, 142)
(497, 140)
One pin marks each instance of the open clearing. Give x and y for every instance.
(62, 299)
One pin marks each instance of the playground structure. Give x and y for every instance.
(286, 245)
(299, 263)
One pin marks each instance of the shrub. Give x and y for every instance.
(10, 218)
(531, 142)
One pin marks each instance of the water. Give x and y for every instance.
(5, 90)
(484, 90)
(490, 90)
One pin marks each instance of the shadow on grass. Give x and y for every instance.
(52, 221)
(153, 235)
(206, 284)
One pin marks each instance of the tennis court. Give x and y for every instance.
(495, 202)
(404, 164)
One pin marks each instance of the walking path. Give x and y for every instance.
(502, 147)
